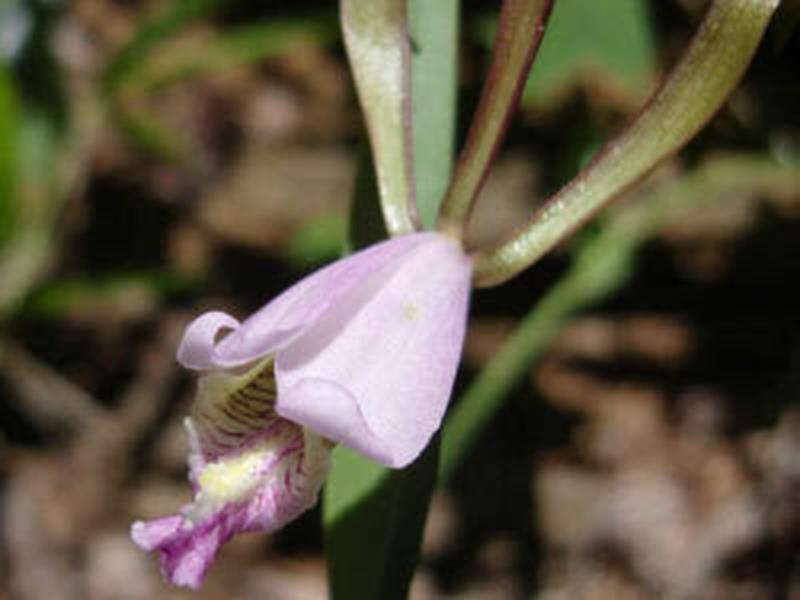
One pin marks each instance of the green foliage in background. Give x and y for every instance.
(610, 41)
(318, 241)
(603, 260)
(8, 153)
(137, 73)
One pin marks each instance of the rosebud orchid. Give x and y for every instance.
(363, 353)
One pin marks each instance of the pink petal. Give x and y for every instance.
(393, 360)
(186, 551)
(291, 313)
(331, 411)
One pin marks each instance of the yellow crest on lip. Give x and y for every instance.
(231, 479)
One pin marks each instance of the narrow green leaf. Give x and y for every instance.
(366, 220)
(518, 36)
(8, 153)
(36, 67)
(374, 517)
(229, 50)
(608, 43)
(602, 263)
(690, 96)
(150, 34)
(23, 261)
(41, 181)
(318, 241)
(376, 37)
(127, 112)
(609, 40)
(434, 29)
(50, 136)
(135, 74)
(120, 293)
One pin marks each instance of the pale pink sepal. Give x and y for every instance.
(289, 314)
(391, 363)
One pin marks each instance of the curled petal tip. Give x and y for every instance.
(196, 350)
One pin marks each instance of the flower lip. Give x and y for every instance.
(261, 489)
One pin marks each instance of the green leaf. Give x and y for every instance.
(36, 67)
(127, 112)
(602, 263)
(150, 34)
(136, 73)
(318, 241)
(434, 85)
(366, 220)
(220, 54)
(23, 261)
(8, 153)
(114, 294)
(517, 39)
(610, 41)
(374, 517)
(228, 50)
(38, 198)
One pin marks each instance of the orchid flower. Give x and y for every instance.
(362, 353)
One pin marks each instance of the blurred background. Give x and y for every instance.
(160, 158)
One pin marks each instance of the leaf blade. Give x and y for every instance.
(434, 84)
(374, 517)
